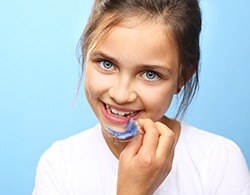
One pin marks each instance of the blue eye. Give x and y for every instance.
(106, 65)
(151, 75)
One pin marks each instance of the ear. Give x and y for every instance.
(178, 87)
(185, 75)
(177, 90)
(180, 82)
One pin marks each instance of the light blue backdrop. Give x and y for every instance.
(39, 77)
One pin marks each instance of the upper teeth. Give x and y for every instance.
(117, 112)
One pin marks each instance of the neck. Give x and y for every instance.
(115, 146)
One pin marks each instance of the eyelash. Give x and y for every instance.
(157, 75)
(101, 64)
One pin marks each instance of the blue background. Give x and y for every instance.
(39, 75)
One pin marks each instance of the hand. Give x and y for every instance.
(146, 161)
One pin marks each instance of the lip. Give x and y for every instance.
(116, 119)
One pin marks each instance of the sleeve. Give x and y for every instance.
(50, 174)
(228, 170)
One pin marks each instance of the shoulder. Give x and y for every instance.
(65, 154)
(65, 160)
(219, 159)
(211, 150)
(83, 142)
(205, 140)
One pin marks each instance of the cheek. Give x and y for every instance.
(90, 82)
(157, 101)
(94, 85)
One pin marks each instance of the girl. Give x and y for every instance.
(137, 54)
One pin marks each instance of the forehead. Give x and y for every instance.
(138, 41)
(110, 22)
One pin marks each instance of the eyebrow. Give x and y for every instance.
(100, 55)
(155, 67)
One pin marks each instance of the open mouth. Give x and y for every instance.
(119, 113)
(119, 116)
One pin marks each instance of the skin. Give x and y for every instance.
(135, 68)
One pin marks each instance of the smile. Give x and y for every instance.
(120, 113)
(119, 116)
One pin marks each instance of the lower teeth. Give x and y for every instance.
(125, 115)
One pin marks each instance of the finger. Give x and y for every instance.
(132, 147)
(151, 136)
(167, 140)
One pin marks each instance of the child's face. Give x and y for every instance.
(132, 72)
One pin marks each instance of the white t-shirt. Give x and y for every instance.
(204, 164)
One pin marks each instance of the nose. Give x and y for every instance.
(123, 91)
